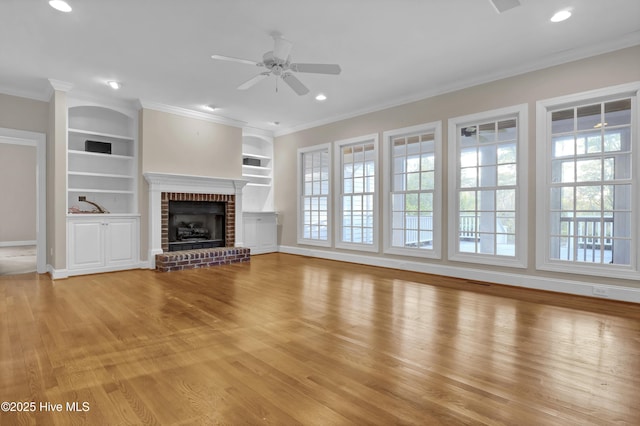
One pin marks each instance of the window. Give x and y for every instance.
(314, 196)
(587, 209)
(356, 161)
(488, 178)
(412, 190)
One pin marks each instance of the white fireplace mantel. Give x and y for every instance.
(169, 182)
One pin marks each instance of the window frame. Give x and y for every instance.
(544, 109)
(338, 193)
(519, 260)
(435, 252)
(326, 147)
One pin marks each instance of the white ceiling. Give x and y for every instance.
(390, 51)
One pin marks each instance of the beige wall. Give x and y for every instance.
(23, 114)
(174, 144)
(171, 143)
(601, 71)
(17, 192)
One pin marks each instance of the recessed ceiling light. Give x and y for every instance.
(114, 84)
(210, 108)
(321, 97)
(60, 5)
(561, 15)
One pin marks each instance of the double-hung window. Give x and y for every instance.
(356, 183)
(488, 187)
(588, 185)
(412, 190)
(314, 173)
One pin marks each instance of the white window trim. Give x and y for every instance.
(435, 252)
(338, 194)
(307, 241)
(520, 259)
(543, 132)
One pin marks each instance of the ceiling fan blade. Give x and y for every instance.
(316, 68)
(504, 5)
(231, 59)
(254, 80)
(295, 84)
(282, 48)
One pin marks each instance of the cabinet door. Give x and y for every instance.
(266, 227)
(120, 241)
(86, 244)
(250, 232)
(260, 232)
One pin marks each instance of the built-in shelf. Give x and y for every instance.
(99, 191)
(256, 176)
(256, 156)
(100, 134)
(106, 175)
(257, 168)
(106, 178)
(100, 155)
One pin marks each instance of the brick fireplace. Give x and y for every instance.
(165, 187)
(229, 201)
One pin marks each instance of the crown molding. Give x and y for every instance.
(59, 85)
(255, 131)
(558, 58)
(189, 113)
(36, 95)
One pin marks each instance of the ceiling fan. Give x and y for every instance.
(278, 63)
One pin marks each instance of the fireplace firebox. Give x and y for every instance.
(196, 225)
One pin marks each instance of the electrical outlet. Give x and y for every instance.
(600, 291)
(82, 198)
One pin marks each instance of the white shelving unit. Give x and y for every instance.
(106, 179)
(101, 242)
(257, 168)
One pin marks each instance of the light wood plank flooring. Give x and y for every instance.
(291, 340)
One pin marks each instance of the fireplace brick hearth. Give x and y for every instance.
(203, 258)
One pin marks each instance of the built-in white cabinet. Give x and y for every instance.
(102, 243)
(102, 220)
(260, 231)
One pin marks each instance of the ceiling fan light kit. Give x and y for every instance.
(278, 63)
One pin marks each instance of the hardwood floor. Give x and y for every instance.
(292, 340)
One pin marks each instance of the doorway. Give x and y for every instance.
(23, 211)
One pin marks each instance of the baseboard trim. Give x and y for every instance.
(57, 274)
(625, 294)
(18, 243)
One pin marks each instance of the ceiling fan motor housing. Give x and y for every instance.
(276, 65)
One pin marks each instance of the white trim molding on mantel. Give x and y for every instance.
(169, 182)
